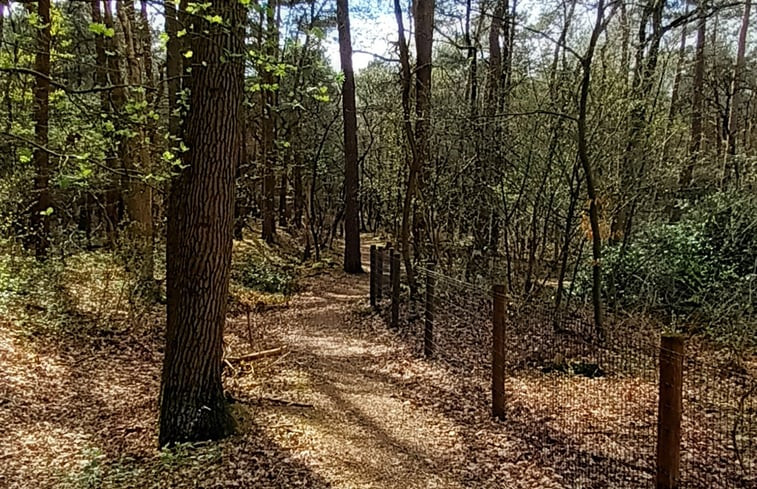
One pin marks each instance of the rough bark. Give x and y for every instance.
(199, 241)
(352, 262)
(40, 217)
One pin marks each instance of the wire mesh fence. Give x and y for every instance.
(590, 402)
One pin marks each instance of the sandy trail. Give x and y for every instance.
(362, 429)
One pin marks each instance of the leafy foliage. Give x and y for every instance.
(699, 271)
(265, 277)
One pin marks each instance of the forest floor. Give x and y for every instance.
(345, 403)
(348, 404)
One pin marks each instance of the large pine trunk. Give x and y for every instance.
(351, 219)
(200, 223)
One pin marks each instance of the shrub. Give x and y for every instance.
(263, 276)
(701, 271)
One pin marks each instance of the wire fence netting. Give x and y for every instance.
(588, 401)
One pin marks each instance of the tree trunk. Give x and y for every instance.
(117, 101)
(101, 74)
(135, 158)
(199, 240)
(424, 30)
(352, 262)
(635, 157)
(283, 187)
(40, 216)
(591, 186)
(173, 71)
(269, 126)
(697, 111)
(299, 191)
(407, 124)
(732, 170)
(675, 95)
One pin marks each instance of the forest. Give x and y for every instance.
(378, 244)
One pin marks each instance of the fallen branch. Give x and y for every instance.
(258, 354)
(282, 402)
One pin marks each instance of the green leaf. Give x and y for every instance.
(188, 54)
(46, 212)
(318, 33)
(101, 29)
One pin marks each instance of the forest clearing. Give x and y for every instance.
(378, 244)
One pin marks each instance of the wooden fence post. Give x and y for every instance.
(670, 412)
(395, 279)
(388, 260)
(428, 330)
(498, 353)
(379, 274)
(373, 276)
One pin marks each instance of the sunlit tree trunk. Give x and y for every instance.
(634, 165)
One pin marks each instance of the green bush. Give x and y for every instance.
(262, 276)
(700, 272)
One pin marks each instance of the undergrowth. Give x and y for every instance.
(88, 292)
(261, 273)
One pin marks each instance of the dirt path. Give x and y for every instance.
(361, 431)
(370, 412)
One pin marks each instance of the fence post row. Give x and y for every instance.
(498, 353)
(395, 280)
(428, 330)
(670, 412)
(670, 408)
(373, 276)
(379, 274)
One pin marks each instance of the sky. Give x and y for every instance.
(372, 33)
